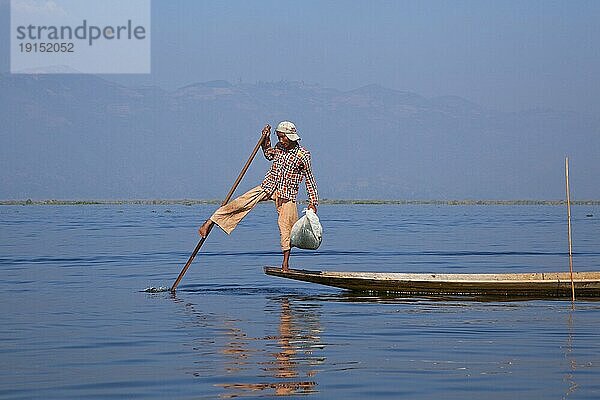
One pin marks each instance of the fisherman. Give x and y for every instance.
(291, 164)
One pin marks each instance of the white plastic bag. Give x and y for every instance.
(307, 232)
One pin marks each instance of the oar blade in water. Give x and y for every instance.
(156, 289)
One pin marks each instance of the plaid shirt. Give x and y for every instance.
(287, 171)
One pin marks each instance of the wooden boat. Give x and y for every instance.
(539, 284)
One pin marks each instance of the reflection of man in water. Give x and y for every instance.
(296, 340)
(295, 345)
(285, 362)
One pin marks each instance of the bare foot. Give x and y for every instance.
(203, 231)
(285, 268)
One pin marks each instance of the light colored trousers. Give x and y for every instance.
(227, 217)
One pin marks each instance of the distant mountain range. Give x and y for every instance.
(80, 136)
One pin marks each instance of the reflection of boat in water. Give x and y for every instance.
(539, 285)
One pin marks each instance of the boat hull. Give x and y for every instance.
(550, 284)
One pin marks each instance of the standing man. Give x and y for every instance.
(291, 164)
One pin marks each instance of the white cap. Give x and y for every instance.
(289, 129)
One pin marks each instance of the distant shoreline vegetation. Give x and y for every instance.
(190, 202)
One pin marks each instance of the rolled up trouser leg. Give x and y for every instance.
(227, 217)
(288, 215)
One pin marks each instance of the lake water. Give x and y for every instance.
(76, 324)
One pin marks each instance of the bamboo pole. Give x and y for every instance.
(569, 225)
(265, 133)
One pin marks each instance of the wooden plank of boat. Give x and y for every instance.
(543, 284)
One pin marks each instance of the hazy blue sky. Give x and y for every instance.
(507, 55)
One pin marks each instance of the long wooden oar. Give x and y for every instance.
(263, 136)
(569, 227)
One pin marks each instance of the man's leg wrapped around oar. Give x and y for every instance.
(227, 217)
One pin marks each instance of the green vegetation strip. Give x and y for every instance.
(187, 202)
